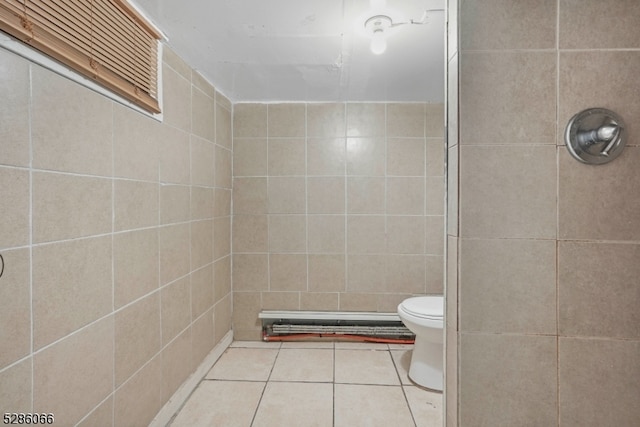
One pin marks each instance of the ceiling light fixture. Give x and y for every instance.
(377, 25)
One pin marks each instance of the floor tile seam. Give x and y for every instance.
(258, 349)
(333, 406)
(307, 349)
(334, 363)
(255, 410)
(395, 366)
(404, 393)
(367, 384)
(273, 364)
(364, 348)
(231, 380)
(245, 380)
(400, 373)
(300, 381)
(266, 383)
(333, 386)
(258, 345)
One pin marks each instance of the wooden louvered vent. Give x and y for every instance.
(105, 40)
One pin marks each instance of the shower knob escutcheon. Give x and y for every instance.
(595, 136)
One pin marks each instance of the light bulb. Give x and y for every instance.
(378, 42)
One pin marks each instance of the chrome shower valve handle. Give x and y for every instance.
(595, 136)
(604, 134)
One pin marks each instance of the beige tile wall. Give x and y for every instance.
(546, 281)
(115, 235)
(337, 206)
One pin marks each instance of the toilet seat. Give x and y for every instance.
(428, 308)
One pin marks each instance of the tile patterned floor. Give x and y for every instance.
(299, 384)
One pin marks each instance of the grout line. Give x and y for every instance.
(231, 215)
(306, 206)
(404, 393)
(333, 401)
(30, 138)
(266, 383)
(557, 245)
(113, 267)
(345, 172)
(269, 231)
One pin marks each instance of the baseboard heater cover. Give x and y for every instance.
(333, 324)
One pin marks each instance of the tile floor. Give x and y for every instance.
(341, 384)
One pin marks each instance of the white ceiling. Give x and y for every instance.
(306, 50)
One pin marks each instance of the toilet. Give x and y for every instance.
(424, 316)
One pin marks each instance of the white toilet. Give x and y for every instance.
(424, 316)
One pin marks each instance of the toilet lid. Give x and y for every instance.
(425, 307)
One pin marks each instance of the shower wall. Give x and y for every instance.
(336, 206)
(549, 248)
(115, 234)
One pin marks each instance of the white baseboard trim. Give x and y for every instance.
(176, 401)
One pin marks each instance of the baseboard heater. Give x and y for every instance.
(334, 325)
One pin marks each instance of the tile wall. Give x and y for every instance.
(335, 207)
(115, 235)
(548, 248)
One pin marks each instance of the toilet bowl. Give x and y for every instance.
(424, 316)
